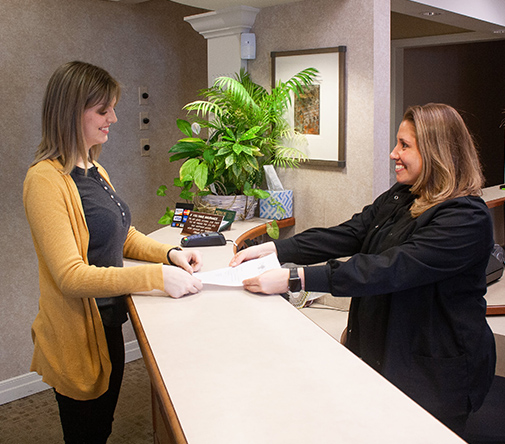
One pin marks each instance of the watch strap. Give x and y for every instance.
(295, 282)
(168, 254)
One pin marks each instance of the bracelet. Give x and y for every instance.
(168, 254)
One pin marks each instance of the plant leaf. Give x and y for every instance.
(200, 175)
(250, 134)
(230, 160)
(188, 146)
(186, 195)
(202, 107)
(237, 90)
(225, 148)
(185, 127)
(187, 170)
(252, 161)
(167, 218)
(179, 156)
(273, 229)
(257, 193)
(230, 134)
(209, 155)
(162, 190)
(237, 148)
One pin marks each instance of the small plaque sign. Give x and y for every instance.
(202, 223)
(228, 218)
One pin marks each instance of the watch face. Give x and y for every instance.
(295, 283)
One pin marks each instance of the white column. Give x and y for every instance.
(222, 29)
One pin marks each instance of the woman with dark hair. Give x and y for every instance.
(416, 272)
(81, 231)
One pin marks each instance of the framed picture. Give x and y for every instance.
(318, 113)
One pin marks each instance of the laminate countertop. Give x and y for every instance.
(243, 368)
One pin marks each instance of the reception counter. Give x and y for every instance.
(495, 200)
(228, 366)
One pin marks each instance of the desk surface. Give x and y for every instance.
(243, 368)
(493, 196)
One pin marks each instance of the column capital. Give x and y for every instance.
(223, 22)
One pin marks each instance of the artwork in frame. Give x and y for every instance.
(318, 113)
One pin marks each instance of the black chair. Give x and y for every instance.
(487, 425)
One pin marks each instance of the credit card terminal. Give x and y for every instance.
(203, 240)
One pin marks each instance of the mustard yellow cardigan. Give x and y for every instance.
(70, 350)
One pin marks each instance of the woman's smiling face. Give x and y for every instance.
(408, 161)
(96, 123)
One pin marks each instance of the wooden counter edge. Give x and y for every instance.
(259, 231)
(158, 387)
(495, 202)
(495, 310)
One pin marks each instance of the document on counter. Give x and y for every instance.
(233, 276)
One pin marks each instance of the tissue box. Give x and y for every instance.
(269, 210)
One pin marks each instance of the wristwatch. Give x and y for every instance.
(295, 282)
(295, 295)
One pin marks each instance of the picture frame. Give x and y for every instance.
(320, 113)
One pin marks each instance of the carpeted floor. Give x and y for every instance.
(35, 419)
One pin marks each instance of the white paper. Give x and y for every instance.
(233, 276)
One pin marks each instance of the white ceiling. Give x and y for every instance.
(416, 9)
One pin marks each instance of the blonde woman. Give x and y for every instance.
(417, 272)
(81, 231)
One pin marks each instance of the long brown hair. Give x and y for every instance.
(73, 88)
(451, 166)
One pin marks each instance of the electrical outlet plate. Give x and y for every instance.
(142, 91)
(144, 115)
(145, 148)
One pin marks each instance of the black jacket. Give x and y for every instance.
(418, 313)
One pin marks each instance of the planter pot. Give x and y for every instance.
(270, 208)
(244, 206)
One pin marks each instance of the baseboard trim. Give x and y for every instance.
(31, 383)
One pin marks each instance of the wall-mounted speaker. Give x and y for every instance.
(247, 46)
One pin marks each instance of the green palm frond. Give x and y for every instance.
(288, 157)
(236, 91)
(202, 107)
(302, 79)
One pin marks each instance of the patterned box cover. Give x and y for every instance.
(269, 211)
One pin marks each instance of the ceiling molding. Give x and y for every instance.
(213, 5)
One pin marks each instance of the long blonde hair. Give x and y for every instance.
(451, 166)
(73, 88)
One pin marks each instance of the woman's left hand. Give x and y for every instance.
(189, 260)
(270, 282)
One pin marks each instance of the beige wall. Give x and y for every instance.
(326, 196)
(147, 44)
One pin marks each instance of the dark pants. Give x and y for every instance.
(90, 421)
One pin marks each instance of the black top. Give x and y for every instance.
(417, 284)
(108, 219)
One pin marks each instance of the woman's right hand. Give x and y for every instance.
(253, 253)
(178, 282)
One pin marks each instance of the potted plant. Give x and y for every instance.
(244, 128)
